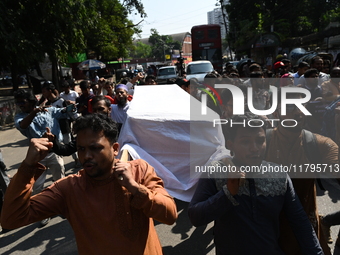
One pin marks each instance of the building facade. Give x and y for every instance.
(216, 17)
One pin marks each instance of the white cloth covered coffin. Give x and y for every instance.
(165, 127)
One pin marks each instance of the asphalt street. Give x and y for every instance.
(57, 237)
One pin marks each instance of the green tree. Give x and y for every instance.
(142, 50)
(31, 28)
(162, 44)
(288, 18)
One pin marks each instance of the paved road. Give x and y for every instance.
(57, 237)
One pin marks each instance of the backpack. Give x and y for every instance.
(310, 146)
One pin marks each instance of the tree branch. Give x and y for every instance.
(134, 25)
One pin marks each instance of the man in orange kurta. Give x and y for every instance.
(110, 204)
(286, 148)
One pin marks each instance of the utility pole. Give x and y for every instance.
(164, 52)
(163, 43)
(226, 28)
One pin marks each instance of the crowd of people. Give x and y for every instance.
(111, 204)
(295, 140)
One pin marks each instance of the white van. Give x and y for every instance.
(199, 69)
(165, 73)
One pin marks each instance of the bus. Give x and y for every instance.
(207, 45)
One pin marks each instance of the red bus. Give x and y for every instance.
(207, 45)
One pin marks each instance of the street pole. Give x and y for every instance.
(164, 52)
(226, 29)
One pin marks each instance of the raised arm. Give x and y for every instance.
(60, 148)
(25, 122)
(147, 190)
(19, 208)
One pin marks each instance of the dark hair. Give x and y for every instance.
(210, 75)
(314, 59)
(96, 99)
(25, 94)
(230, 131)
(303, 64)
(256, 74)
(285, 61)
(124, 80)
(83, 85)
(269, 73)
(65, 84)
(109, 83)
(150, 77)
(311, 71)
(326, 62)
(94, 85)
(253, 66)
(210, 79)
(97, 122)
(234, 70)
(48, 85)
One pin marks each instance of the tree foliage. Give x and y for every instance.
(162, 44)
(289, 18)
(31, 28)
(142, 50)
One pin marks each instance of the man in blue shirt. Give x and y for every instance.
(246, 207)
(32, 122)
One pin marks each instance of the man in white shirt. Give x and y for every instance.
(302, 68)
(70, 97)
(118, 111)
(68, 94)
(317, 63)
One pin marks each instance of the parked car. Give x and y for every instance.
(199, 69)
(6, 81)
(165, 73)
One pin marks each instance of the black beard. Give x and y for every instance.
(121, 102)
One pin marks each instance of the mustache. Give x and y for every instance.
(89, 162)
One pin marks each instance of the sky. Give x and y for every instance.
(174, 16)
